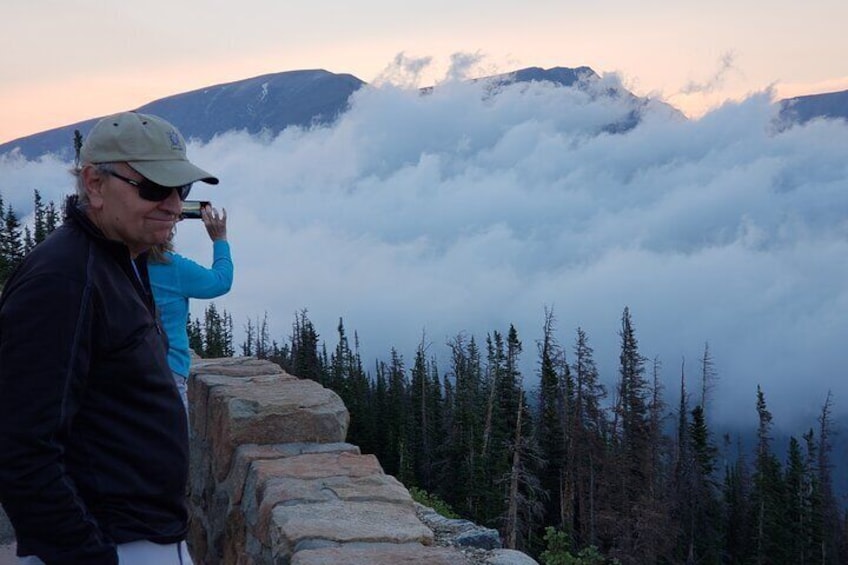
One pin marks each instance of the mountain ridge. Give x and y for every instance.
(801, 109)
(272, 102)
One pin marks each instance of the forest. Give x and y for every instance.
(567, 471)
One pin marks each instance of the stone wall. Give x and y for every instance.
(273, 481)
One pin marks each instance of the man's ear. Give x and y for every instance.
(93, 180)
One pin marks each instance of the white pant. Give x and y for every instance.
(182, 387)
(139, 553)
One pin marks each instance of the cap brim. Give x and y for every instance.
(172, 173)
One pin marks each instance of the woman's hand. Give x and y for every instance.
(216, 226)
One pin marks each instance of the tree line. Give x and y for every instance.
(17, 239)
(569, 471)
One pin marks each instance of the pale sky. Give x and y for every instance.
(63, 61)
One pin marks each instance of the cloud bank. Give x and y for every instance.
(426, 216)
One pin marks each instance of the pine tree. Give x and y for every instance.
(551, 424)
(771, 533)
(214, 332)
(229, 349)
(421, 430)
(589, 440)
(258, 339)
(51, 217)
(462, 467)
(11, 244)
(799, 505)
(5, 263)
(249, 339)
(525, 496)
(684, 476)
(40, 223)
(829, 510)
(29, 242)
(195, 336)
(306, 363)
(347, 378)
(706, 511)
(637, 530)
(737, 521)
(397, 417)
(501, 388)
(425, 432)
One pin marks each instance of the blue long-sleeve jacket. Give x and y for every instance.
(178, 280)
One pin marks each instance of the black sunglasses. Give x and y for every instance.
(149, 190)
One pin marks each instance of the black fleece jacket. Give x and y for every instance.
(93, 435)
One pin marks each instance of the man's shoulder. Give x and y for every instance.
(63, 254)
(63, 247)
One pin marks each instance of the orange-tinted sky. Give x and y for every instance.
(62, 62)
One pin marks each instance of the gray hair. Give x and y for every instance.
(82, 195)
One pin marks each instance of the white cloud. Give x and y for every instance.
(459, 211)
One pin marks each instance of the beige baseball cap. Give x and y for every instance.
(148, 144)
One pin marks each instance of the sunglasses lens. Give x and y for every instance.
(183, 191)
(153, 192)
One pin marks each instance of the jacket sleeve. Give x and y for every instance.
(196, 281)
(45, 349)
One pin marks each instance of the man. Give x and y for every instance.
(93, 438)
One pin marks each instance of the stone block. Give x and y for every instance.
(380, 554)
(269, 409)
(344, 522)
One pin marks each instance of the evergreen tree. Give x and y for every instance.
(77, 148)
(770, 533)
(684, 477)
(195, 336)
(397, 417)
(11, 244)
(637, 529)
(5, 263)
(249, 339)
(214, 333)
(347, 378)
(830, 520)
(40, 229)
(28, 241)
(258, 333)
(551, 424)
(465, 436)
(525, 499)
(229, 349)
(424, 422)
(705, 534)
(501, 387)
(382, 435)
(812, 498)
(588, 433)
(799, 505)
(737, 524)
(305, 360)
(51, 217)
(633, 412)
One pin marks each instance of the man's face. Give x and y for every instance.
(117, 209)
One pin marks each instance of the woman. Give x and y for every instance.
(174, 279)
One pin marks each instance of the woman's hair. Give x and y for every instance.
(159, 252)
